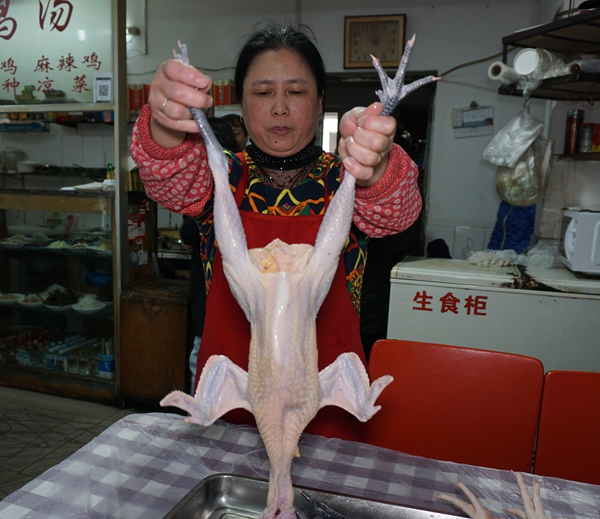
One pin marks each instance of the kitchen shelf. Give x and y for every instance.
(581, 156)
(99, 203)
(31, 268)
(56, 107)
(66, 384)
(578, 34)
(105, 314)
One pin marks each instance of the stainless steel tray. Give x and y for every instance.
(224, 496)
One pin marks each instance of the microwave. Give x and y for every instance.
(580, 239)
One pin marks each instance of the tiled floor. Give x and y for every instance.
(37, 431)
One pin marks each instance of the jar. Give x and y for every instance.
(574, 122)
(586, 136)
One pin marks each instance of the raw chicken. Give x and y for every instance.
(280, 288)
(475, 510)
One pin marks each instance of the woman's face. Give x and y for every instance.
(281, 107)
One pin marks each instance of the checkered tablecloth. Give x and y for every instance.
(143, 465)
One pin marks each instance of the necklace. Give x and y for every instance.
(284, 179)
(307, 155)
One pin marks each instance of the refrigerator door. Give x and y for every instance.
(450, 304)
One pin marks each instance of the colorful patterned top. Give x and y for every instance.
(180, 179)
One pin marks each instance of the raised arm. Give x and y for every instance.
(176, 87)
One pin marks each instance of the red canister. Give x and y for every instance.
(574, 122)
(596, 138)
(221, 92)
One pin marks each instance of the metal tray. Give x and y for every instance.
(224, 496)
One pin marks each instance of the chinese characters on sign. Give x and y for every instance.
(472, 305)
(60, 12)
(60, 15)
(72, 71)
(43, 65)
(8, 25)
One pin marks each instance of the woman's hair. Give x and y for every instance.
(235, 120)
(292, 37)
(224, 133)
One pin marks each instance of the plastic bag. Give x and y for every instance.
(540, 255)
(512, 141)
(523, 184)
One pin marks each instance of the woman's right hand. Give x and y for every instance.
(175, 87)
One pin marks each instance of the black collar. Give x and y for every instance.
(298, 160)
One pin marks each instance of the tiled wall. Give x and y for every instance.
(89, 145)
(457, 238)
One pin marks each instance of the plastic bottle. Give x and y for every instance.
(586, 136)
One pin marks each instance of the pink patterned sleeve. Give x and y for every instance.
(178, 178)
(392, 204)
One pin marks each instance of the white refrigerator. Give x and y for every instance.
(550, 314)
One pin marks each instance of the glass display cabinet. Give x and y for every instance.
(64, 248)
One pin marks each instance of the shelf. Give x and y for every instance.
(22, 127)
(99, 203)
(169, 254)
(70, 385)
(575, 87)
(581, 156)
(578, 34)
(57, 107)
(106, 314)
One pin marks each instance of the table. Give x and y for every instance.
(144, 464)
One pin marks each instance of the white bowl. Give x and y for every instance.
(27, 166)
(10, 299)
(56, 308)
(88, 310)
(31, 304)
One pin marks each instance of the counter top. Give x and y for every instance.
(144, 464)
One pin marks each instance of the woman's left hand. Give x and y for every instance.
(366, 141)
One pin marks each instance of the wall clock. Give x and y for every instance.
(382, 36)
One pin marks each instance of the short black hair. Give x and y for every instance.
(293, 37)
(224, 133)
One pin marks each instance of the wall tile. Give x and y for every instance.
(94, 155)
(461, 241)
(72, 150)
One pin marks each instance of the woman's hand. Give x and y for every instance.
(366, 141)
(175, 87)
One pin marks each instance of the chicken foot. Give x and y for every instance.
(533, 507)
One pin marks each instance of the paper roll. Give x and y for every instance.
(591, 66)
(502, 72)
(536, 62)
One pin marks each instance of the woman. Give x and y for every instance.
(282, 183)
(239, 129)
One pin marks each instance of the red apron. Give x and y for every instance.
(227, 331)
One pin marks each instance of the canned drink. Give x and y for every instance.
(221, 92)
(574, 122)
(596, 138)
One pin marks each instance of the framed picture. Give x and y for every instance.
(382, 36)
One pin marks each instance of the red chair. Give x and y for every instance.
(568, 443)
(457, 404)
